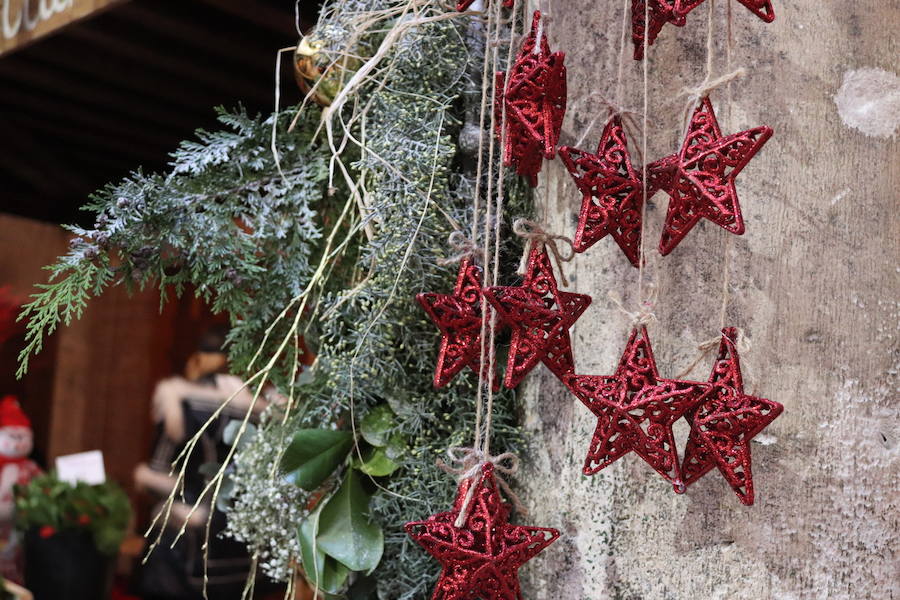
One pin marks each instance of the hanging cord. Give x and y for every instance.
(705, 347)
(709, 83)
(463, 248)
(535, 233)
(467, 463)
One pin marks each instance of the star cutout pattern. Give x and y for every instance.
(458, 317)
(700, 178)
(635, 411)
(540, 316)
(481, 559)
(723, 423)
(613, 195)
(534, 95)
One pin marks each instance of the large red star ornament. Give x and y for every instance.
(700, 178)
(613, 195)
(481, 559)
(635, 411)
(458, 317)
(465, 4)
(534, 95)
(723, 423)
(657, 13)
(540, 316)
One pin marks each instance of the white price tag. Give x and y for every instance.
(84, 466)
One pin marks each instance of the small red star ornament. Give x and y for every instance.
(700, 178)
(458, 317)
(647, 19)
(649, 16)
(680, 9)
(635, 411)
(481, 559)
(613, 195)
(534, 95)
(723, 423)
(465, 4)
(540, 316)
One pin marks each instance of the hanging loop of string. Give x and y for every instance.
(706, 346)
(467, 463)
(463, 247)
(644, 314)
(534, 233)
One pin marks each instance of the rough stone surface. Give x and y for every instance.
(814, 282)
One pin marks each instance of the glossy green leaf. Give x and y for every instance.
(377, 425)
(230, 433)
(314, 454)
(345, 531)
(322, 571)
(376, 463)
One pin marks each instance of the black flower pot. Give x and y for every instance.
(66, 566)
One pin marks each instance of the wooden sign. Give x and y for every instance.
(23, 21)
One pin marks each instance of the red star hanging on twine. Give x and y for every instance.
(540, 317)
(723, 423)
(635, 411)
(534, 96)
(481, 559)
(647, 19)
(612, 191)
(458, 316)
(700, 178)
(659, 12)
(465, 4)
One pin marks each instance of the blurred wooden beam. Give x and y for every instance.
(25, 21)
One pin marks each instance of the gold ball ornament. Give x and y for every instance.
(321, 73)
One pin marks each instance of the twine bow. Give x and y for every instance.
(534, 233)
(695, 94)
(705, 347)
(463, 247)
(466, 463)
(644, 315)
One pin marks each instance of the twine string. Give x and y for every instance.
(463, 247)
(467, 463)
(742, 343)
(535, 233)
(644, 315)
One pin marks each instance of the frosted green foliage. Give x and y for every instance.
(270, 506)
(224, 220)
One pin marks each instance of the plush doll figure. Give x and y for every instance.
(15, 469)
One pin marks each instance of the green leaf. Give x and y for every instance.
(376, 426)
(322, 571)
(396, 447)
(345, 531)
(229, 435)
(376, 463)
(314, 454)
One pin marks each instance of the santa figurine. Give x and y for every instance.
(15, 469)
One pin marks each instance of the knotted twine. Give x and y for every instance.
(534, 233)
(463, 247)
(466, 463)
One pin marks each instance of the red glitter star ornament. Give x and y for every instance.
(481, 559)
(700, 178)
(680, 9)
(613, 195)
(540, 316)
(465, 4)
(635, 411)
(648, 18)
(723, 423)
(534, 95)
(657, 13)
(458, 316)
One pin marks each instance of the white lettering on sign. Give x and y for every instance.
(25, 18)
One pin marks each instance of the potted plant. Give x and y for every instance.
(72, 535)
